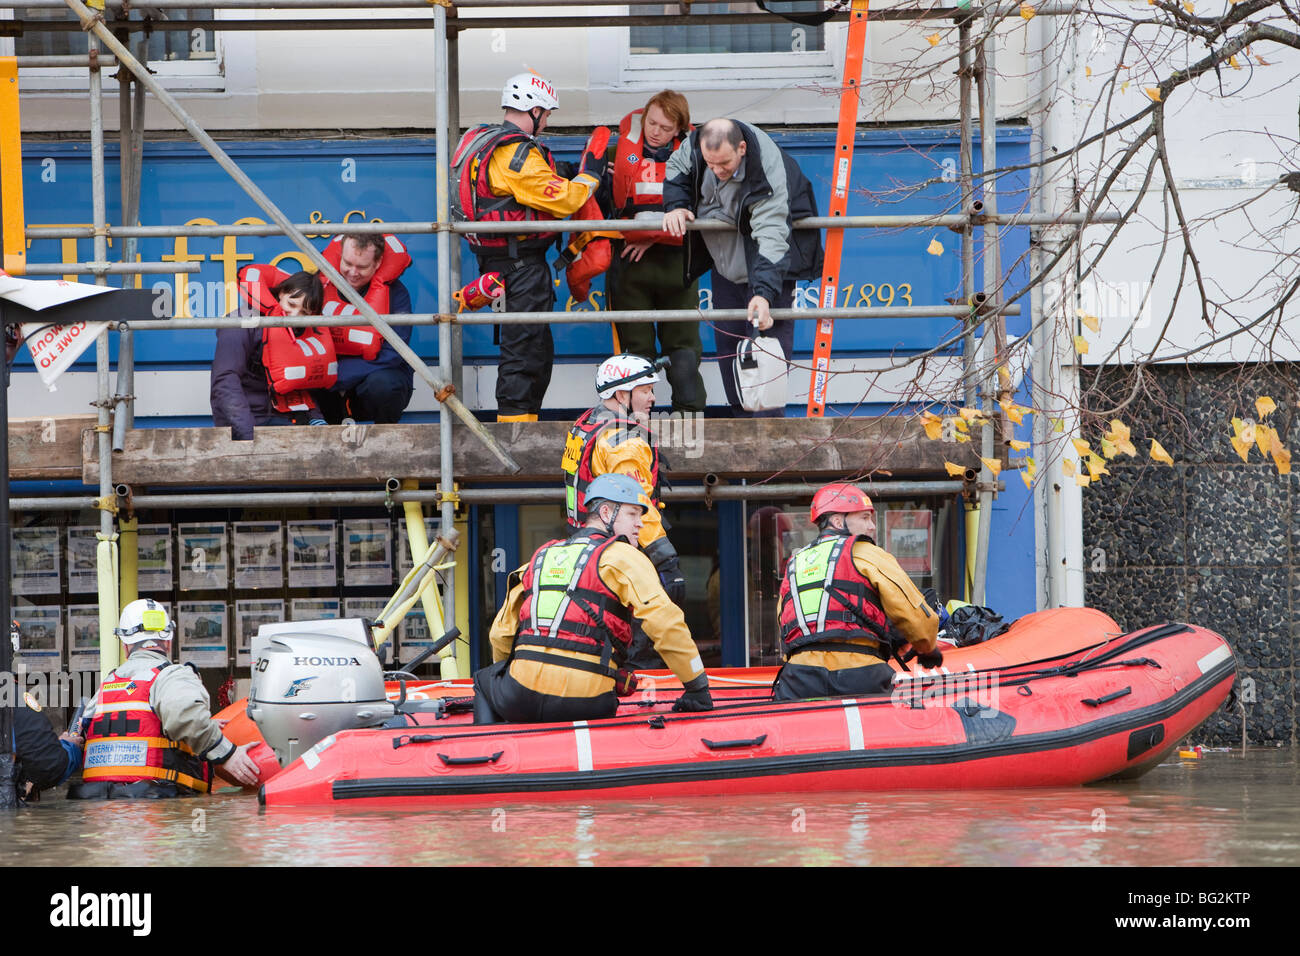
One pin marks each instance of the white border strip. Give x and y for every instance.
(853, 719)
(1214, 657)
(582, 737)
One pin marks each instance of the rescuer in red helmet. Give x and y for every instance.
(841, 597)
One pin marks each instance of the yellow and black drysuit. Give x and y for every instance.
(842, 600)
(563, 634)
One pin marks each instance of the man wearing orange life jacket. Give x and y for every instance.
(842, 599)
(374, 382)
(265, 376)
(151, 733)
(503, 174)
(561, 639)
(648, 267)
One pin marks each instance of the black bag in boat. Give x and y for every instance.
(972, 624)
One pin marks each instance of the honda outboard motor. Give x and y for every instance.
(312, 679)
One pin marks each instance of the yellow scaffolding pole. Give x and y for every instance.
(415, 533)
(11, 171)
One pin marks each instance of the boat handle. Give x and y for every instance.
(733, 744)
(467, 761)
(1098, 701)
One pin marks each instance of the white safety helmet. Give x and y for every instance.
(525, 91)
(144, 620)
(619, 372)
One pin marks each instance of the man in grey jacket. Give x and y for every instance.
(733, 172)
(151, 729)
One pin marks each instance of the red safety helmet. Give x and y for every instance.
(839, 498)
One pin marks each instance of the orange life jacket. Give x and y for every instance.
(363, 340)
(639, 180)
(126, 743)
(295, 361)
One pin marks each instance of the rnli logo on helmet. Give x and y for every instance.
(542, 85)
(618, 371)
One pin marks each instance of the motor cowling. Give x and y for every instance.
(313, 679)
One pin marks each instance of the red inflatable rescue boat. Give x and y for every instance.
(1113, 709)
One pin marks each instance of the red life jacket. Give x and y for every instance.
(579, 447)
(639, 180)
(295, 361)
(837, 603)
(126, 744)
(566, 606)
(472, 196)
(363, 340)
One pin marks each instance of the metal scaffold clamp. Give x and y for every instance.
(107, 503)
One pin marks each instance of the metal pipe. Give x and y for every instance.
(453, 128)
(574, 318)
(967, 202)
(129, 177)
(993, 9)
(312, 229)
(992, 286)
(442, 178)
(90, 22)
(102, 268)
(509, 495)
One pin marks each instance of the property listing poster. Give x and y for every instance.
(315, 609)
(908, 538)
(367, 607)
(83, 637)
(367, 552)
(40, 638)
(34, 560)
(82, 575)
(204, 560)
(404, 563)
(311, 554)
(154, 545)
(201, 626)
(259, 556)
(413, 635)
(249, 616)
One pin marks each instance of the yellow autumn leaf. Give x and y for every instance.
(1119, 432)
(933, 39)
(1019, 445)
(1004, 374)
(955, 471)
(1082, 480)
(1264, 437)
(1067, 466)
(1126, 447)
(1123, 87)
(1091, 321)
(968, 413)
(1027, 479)
(1153, 92)
(1058, 425)
(1242, 446)
(1030, 467)
(992, 464)
(1013, 411)
(1189, 6)
(1247, 433)
(1027, 11)
(1158, 453)
(934, 429)
(1096, 466)
(1237, 426)
(962, 436)
(1087, 71)
(935, 248)
(1261, 61)
(1232, 62)
(1265, 406)
(1282, 458)
(1107, 449)
(1081, 446)
(1081, 345)
(961, 425)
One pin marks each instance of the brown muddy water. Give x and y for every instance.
(1222, 810)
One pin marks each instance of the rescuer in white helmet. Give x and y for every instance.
(151, 733)
(502, 173)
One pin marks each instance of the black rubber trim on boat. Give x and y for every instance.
(469, 761)
(504, 783)
(733, 744)
(1140, 741)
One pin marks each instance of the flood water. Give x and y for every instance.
(1224, 809)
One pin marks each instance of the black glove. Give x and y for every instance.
(693, 701)
(930, 660)
(663, 556)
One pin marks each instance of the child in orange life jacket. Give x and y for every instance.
(263, 376)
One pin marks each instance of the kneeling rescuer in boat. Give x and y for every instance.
(841, 599)
(561, 640)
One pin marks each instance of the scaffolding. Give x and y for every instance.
(108, 44)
